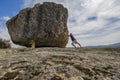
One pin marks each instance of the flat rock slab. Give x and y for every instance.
(59, 64)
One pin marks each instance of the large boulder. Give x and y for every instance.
(45, 24)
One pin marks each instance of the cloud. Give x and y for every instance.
(4, 33)
(5, 18)
(92, 22)
(3, 30)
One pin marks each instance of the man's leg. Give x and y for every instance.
(79, 44)
(73, 44)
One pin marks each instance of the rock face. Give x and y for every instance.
(45, 24)
(59, 64)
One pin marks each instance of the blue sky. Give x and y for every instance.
(93, 22)
(10, 7)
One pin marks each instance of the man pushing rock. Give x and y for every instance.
(74, 41)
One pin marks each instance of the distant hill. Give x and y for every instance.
(116, 45)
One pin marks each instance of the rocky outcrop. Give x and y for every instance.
(59, 64)
(45, 24)
(4, 43)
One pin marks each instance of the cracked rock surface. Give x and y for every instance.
(59, 64)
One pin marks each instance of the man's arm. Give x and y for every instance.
(68, 35)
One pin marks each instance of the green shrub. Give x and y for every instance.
(4, 43)
(112, 49)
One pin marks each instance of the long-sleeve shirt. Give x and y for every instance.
(72, 37)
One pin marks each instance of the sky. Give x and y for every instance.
(92, 22)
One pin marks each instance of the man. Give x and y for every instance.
(74, 41)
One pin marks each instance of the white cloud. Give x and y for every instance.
(5, 18)
(3, 30)
(4, 33)
(90, 32)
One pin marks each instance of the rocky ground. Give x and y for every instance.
(60, 64)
